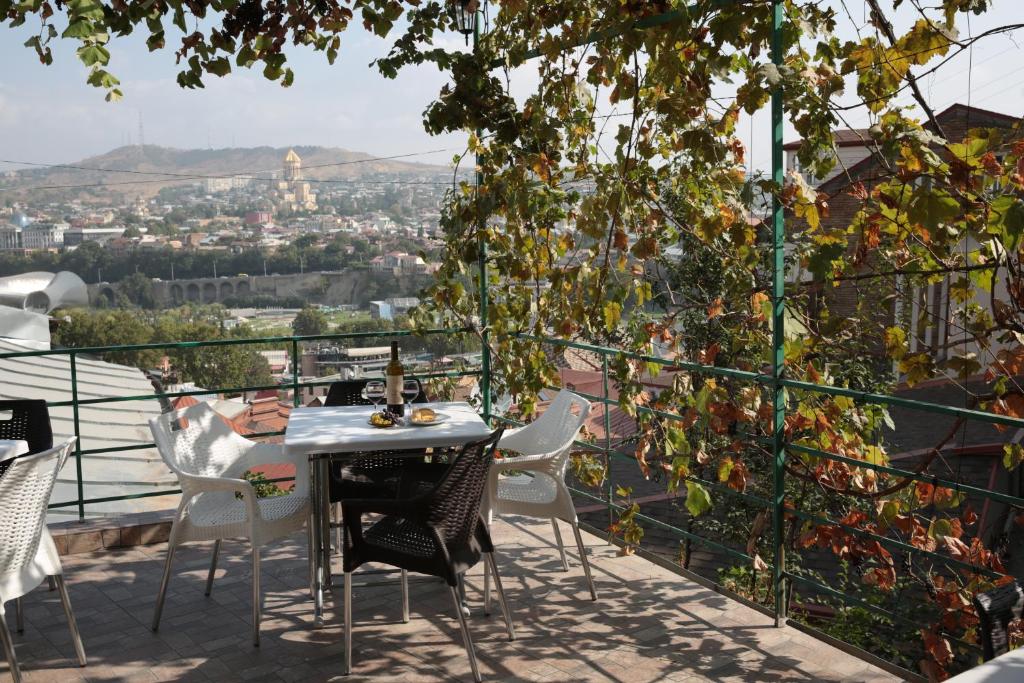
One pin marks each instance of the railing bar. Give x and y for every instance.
(674, 529)
(95, 350)
(906, 547)
(895, 471)
(872, 607)
(865, 397)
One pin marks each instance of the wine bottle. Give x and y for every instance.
(394, 378)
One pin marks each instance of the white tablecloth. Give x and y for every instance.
(345, 429)
(12, 448)
(1008, 668)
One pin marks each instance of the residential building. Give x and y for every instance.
(10, 237)
(924, 311)
(74, 236)
(43, 236)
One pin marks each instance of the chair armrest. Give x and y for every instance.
(526, 462)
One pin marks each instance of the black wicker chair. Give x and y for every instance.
(438, 533)
(29, 421)
(372, 474)
(996, 609)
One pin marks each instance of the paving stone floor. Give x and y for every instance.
(648, 625)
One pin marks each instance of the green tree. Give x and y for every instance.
(310, 321)
(138, 289)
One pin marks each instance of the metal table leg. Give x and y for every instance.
(325, 523)
(315, 554)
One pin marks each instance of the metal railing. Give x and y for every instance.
(782, 591)
(604, 446)
(296, 385)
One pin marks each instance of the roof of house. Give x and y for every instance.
(981, 117)
(101, 425)
(843, 137)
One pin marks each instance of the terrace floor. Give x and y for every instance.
(648, 625)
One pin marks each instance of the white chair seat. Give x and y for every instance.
(539, 489)
(221, 512)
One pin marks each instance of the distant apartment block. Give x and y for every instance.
(10, 237)
(33, 236)
(389, 308)
(74, 237)
(400, 263)
(44, 235)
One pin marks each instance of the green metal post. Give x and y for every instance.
(78, 437)
(295, 374)
(485, 357)
(778, 333)
(607, 441)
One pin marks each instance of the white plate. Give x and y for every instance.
(438, 419)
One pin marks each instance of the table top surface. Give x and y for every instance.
(345, 429)
(1007, 668)
(10, 448)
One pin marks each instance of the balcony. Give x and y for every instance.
(650, 624)
(684, 606)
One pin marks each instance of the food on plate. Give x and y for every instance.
(423, 415)
(380, 419)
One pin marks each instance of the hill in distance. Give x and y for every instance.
(131, 164)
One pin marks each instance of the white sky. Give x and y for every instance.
(48, 114)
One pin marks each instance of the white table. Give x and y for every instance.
(1007, 668)
(323, 434)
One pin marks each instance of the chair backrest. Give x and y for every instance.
(26, 420)
(25, 492)
(349, 392)
(454, 505)
(996, 609)
(558, 425)
(197, 441)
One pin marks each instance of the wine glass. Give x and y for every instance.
(374, 391)
(410, 390)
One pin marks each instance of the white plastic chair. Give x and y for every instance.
(27, 552)
(209, 459)
(540, 491)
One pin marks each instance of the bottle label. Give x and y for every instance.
(393, 390)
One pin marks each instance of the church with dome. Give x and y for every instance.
(291, 191)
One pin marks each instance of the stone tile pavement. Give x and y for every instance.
(648, 624)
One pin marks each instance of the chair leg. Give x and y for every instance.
(561, 546)
(213, 567)
(19, 615)
(76, 636)
(337, 529)
(12, 660)
(256, 596)
(163, 583)
(348, 623)
(584, 560)
(53, 586)
(405, 597)
(487, 589)
(462, 596)
(309, 545)
(465, 635)
(501, 596)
